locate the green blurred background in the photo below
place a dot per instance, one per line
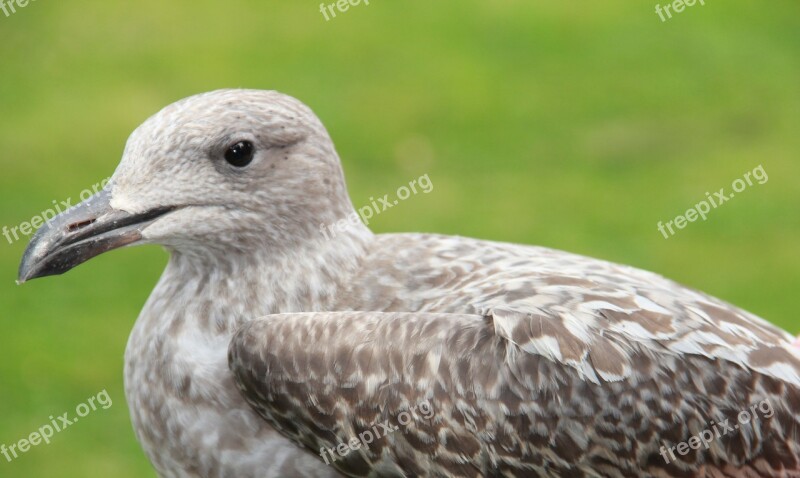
(575, 126)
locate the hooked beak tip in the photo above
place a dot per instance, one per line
(81, 233)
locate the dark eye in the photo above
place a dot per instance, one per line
(240, 154)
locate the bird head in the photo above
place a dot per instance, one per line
(218, 173)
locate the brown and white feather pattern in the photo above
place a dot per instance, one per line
(535, 362)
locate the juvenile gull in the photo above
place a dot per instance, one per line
(266, 342)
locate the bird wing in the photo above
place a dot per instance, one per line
(436, 394)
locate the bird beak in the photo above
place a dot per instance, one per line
(81, 233)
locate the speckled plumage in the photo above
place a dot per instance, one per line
(537, 363)
(265, 340)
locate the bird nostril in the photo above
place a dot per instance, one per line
(78, 225)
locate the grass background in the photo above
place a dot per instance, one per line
(575, 126)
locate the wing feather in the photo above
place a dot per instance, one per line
(509, 393)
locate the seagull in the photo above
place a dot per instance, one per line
(269, 348)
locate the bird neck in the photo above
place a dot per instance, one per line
(237, 286)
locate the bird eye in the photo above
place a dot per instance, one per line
(240, 154)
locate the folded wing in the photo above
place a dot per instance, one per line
(430, 394)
